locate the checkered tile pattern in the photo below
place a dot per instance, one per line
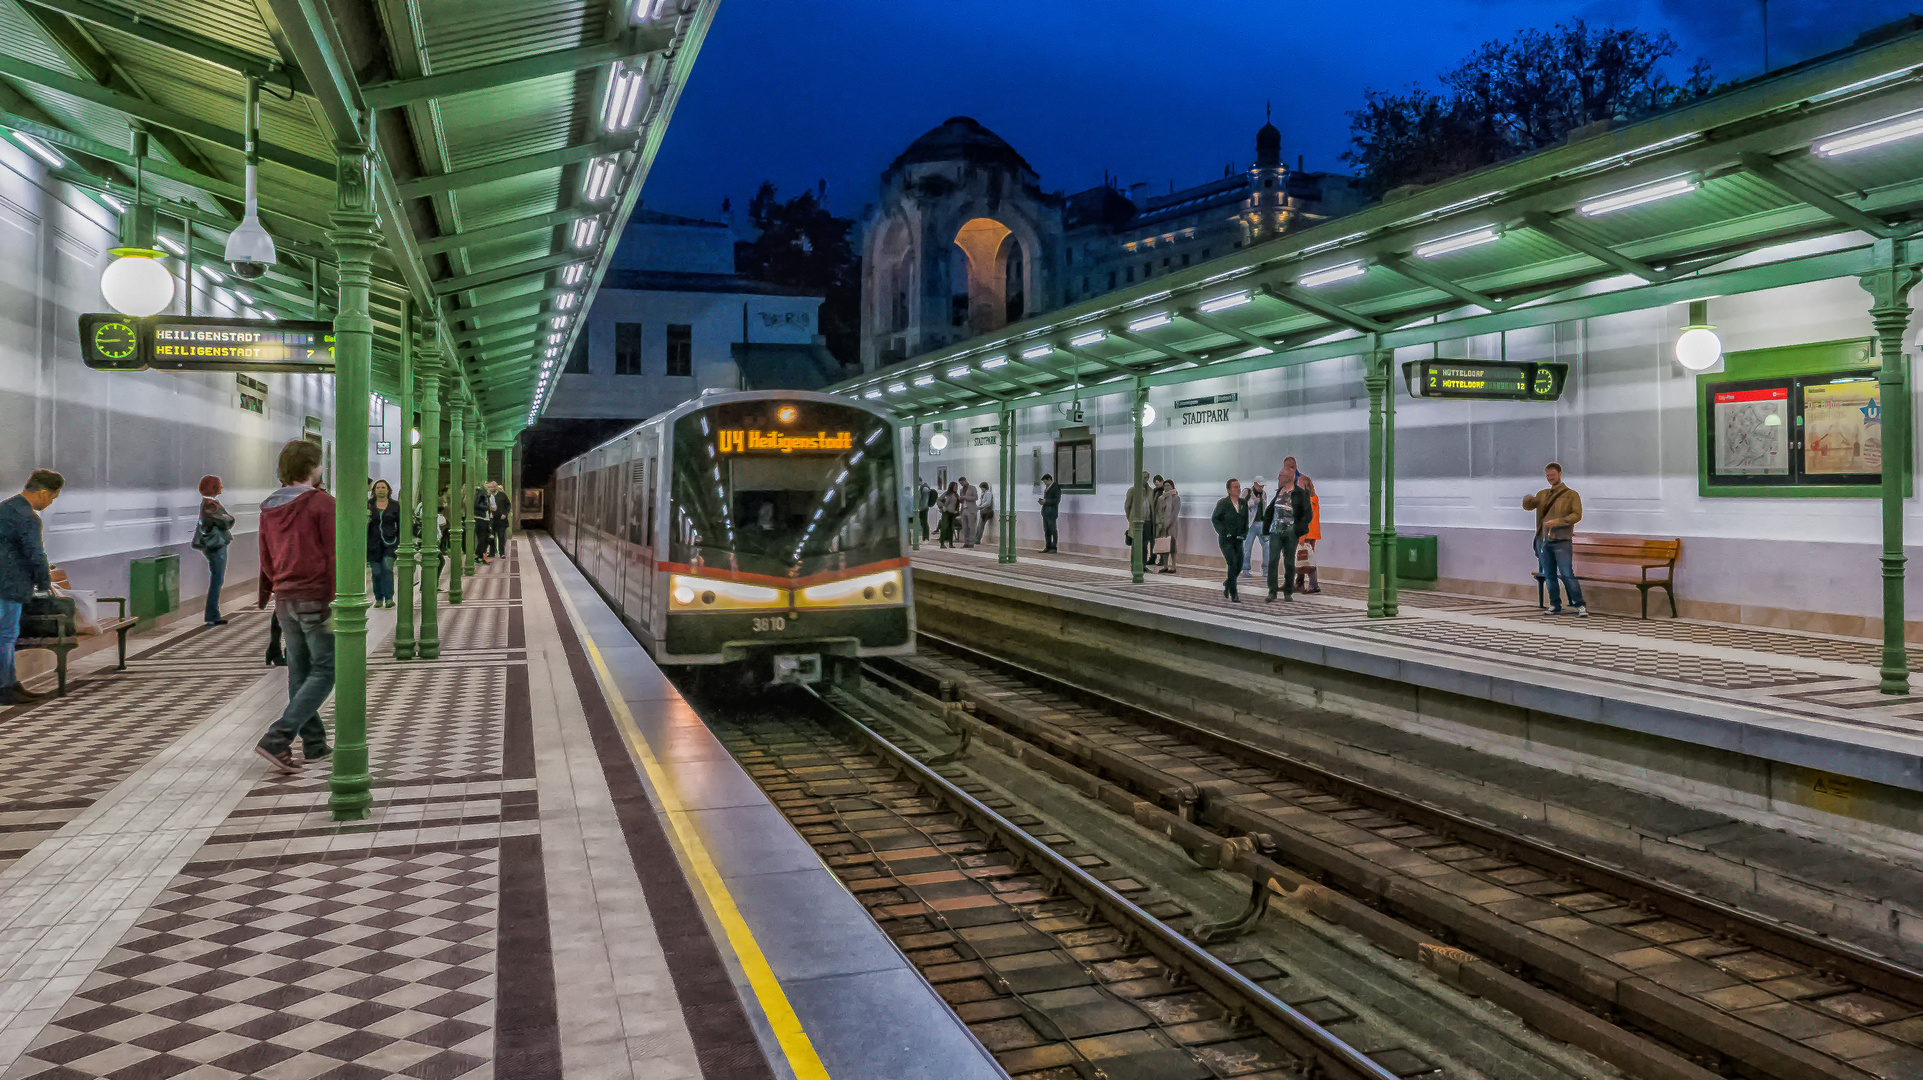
(1753, 639)
(438, 724)
(1253, 591)
(477, 627)
(245, 635)
(374, 967)
(1582, 656)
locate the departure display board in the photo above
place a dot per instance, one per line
(1485, 380)
(200, 343)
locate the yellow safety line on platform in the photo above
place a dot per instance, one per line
(795, 1044)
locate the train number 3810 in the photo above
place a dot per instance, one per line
(773, 622)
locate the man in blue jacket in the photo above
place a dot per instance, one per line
(23, 568)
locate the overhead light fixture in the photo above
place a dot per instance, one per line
(1151, 322)
(924, 380)
(958, 372)
(1876, 134)
(938, 441)
(896, 388)
(574, 273)
(585, 231)
(137, 283)
(40, 150)
(1332, 274)
(994, 362)
(602, 173)
(1447, 244)
(1148, 415)
(1698, 348)
(116, 205)
(1636, 196)
(554, 352)
(566, 301)
(172, 245)
(1090, 338)
(872, 394)
(208, 272)
(624, 98)
(559, 322)
(1223, 303)
(1037, 352)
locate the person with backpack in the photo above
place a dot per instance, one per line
(297, 570)
(212, 535)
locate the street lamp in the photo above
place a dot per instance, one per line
(1698, 348)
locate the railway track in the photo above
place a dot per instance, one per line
(1063, 966)
(1660, 982)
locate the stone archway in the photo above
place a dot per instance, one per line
(984, 240)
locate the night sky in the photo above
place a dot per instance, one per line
(799, 91)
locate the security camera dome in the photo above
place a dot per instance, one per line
(250, 244)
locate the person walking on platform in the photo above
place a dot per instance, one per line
(1305, 571)
(211, 536)
(1168, 514)
(966, 511)
(1136, 508)
(950, 514)
(1051, 502)
(1258, 501)
(383, 541)
(1558, 508)
(987, 506)
(1231, 521)
(23, 569)
(297, 569)
(1287, 517)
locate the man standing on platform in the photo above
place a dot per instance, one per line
(1231, 521)
(924, 501)
(1051, 501)
(297, 569)
(1135, 507)
(1258, 501)
(1558, 508)
(23, 568)
(483, 532)
(497, 511)
(1284, 522)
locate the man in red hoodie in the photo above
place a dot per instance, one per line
(297, 569)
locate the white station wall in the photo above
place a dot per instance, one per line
(131, 445)
(1625, 432)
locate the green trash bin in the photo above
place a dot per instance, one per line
(1415, 557)
(153, 586)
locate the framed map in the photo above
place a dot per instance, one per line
(1842, 428)
(1794, 421)
(1752, 430)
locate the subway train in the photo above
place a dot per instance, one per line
(762, 533)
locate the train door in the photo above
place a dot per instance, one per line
(634, 543)
(618, 458)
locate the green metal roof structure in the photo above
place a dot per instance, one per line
(1800, 176)
(500, 129)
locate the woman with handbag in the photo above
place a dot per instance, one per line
(1168, 512)
(211, 537)
(383, 540)
(950, 511)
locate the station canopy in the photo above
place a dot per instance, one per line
(1795, 177)
(510, 139)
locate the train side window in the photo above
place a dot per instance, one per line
(1075, 465)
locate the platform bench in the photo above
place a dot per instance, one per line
(1625, 560)
(70, 640)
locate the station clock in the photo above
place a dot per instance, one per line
(112, 342)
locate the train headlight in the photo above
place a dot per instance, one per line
(690, 593)
(881, 588)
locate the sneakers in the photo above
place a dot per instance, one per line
(313, 754)
(283, 761)
(1582, 612)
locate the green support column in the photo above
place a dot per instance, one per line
(1004, 553)
(1889, 290)
(409, 552)
(1391, 569)
(1007, 512)
(511, 485)
(914, 493)
(354, 240)
(456, 479)
(428, 363)
(1137, 549)
(1376, 379)
(476, 469)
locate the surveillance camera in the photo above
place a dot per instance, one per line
(249, 249)
(248, 269)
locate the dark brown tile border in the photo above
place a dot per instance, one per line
(724, 1040)
(527, 1027)
(270, 862)
(517, 729)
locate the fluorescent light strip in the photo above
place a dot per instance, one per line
(171, 244)
(994, 362)
(1035, 353)
(574, 273)
(559, 322)
(600, 181)
(1883, 131)
(924, 380)
(1091, 338)
(872, 394)
(117, 206)
(1676, 185)
(566, 301)
(39, 149)
(624, 96)
(585, 230)
(1151, 322)
(1223, 303)
(555, 339)
(896, 388)
(1457, 242)
(958, 372)
(1332, 274)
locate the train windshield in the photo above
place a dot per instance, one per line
(783, 489)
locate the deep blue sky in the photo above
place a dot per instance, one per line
(797, 91)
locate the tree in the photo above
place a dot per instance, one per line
(800, 244)
(1514, 97)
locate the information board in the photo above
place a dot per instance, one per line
(1752, 431)
(1485, 380)
(112, 342)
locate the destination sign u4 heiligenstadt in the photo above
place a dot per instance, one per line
(113, 342)
(1485, 380)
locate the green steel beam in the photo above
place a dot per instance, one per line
(511, 169)
(525, 268)
(637, 43)
(503, 348)
(1169, 351)
(529, 301)
(1083, 354)
(1220, 326)
(180, 40)
(506, 229)
(1766, 169)
(1422, 275)
(514, 330)
(1577, 239)
(1335, 313)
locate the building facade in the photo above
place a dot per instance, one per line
(964, 240)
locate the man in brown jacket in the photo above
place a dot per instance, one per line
(1558, 508)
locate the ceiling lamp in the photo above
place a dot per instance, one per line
(40, 150)
(938, 441)
(1090, 338)
(602, 172)
(137, 283)
(623, 104)
(1447, 244)
(1332, 274)
(1148, 415)
(1150, 322)
(1223, 303)
(1637, 196)
(1876, 134)
(1698, 348)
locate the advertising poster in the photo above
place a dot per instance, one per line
(1752, 431)
(1842, 429)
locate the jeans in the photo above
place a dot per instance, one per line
(924, 525)
(971, 523)
(1232, 548)
(310, 674)
(1285, 563)
(216, 577)
(483, 539)
(1049, 531)
(1248, 552)
(9, 633)
(383, 569)
(1554, 562)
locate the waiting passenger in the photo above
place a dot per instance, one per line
(383, 541)
(497, 512)
(23, 569)
(1558, 508)
(987, 505)
(1148, 520)
(211, 536)
(1136, 508)
(1168, 513)
(1051, 502)
(1286, 519)
(483, 533)
(1258, 501)
(1305, 570)
(1231, 521)
(970, 500)
(297, 569)
(924, 502)
(950, 514)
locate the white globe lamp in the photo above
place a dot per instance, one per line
(1148, 415)
(137, 283)
(938, 441)
(1698, 348)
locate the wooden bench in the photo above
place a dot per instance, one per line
(70, 640)
(1625, 560)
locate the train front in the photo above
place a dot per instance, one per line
(785, 538)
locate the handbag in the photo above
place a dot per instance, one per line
(47, 617)
(1163, 545)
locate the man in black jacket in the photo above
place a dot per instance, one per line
(1051, 501)
(1284, 522)
(23, 568)
(1231, 521)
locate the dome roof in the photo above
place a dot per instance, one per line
(960, 138)
(1268, 146)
